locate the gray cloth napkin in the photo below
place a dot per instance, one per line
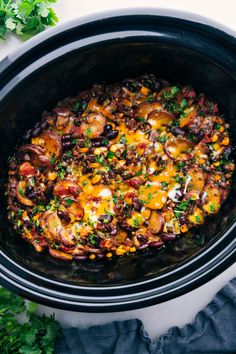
(212, 332)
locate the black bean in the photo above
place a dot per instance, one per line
(48, 192)
(90, 158)
(178, 131)
(107, 129)
(67, 145)
(66, 137)
(228, 151)
(127, 227)
(168, 237)
(36, 131)
(137, 204)
(114, 231)
(155, 244)
(98, 142)
(112, 135)
(44, 124)
(104, 227)
(29, 191)
(63, 216)
(27, 135)
(106, 219)
(86, 169)
(182, 220)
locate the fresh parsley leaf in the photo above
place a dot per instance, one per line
(68, 201)
(217, 126)
(110, 155)
(123, 139)
(36, 334)
(26, 18)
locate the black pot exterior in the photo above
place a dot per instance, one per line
(108, 50)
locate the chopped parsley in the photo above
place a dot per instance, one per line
(179, 179)
(91, 239)
(123, 139)
(135, 222)
(164, 184)
(79, 106)
(180, 165)
(88, 132)
(87, 142)
(183, 103)
(110, 155)
(217, 126)
(197, 218)
(69, 201)
(162, 138)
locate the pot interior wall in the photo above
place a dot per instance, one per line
(79, 69)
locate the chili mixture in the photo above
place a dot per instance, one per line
(120, 168)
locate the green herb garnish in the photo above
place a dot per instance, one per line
(68, 201)
(123, 139)
(35, 334)
(25, 18)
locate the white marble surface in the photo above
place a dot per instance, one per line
(157, 319)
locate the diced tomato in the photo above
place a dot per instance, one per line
(27, 170)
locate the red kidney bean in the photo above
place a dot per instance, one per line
(27, 135)
(36, 132)
(44, 125)
(143, 246)
(155, 244)
(100, 255)
(106, 219)
(142, 238)
(168, 237)
(81, 257)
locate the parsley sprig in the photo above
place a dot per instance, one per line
(26, 18)
(36, 334)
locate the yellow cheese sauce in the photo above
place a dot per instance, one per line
(118, 169)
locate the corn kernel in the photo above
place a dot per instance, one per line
(96, 179)
(100, 150)
(217, 163)
(132, 249)
(145, 91)
(201, 161)
(94, 165)
(92, 256)
(214, 138)
(184, 228)
(83, 150)
(217, 177)
(52, 176)
(216, 147)
(222, 129)
(225, 141)
(120, 251)
(109, 255)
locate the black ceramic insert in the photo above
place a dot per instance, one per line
(60, 64)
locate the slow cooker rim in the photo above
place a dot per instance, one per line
(228, 259)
